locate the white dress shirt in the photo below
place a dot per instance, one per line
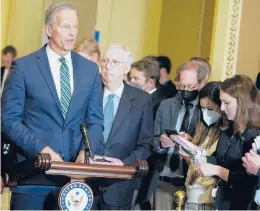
(55, 65)
(6, 72)
(116, 99)
(152, 91)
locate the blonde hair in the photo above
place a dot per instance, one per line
(89, 46)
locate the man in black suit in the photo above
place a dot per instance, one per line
(165, 69)
(9, 53)
(180, 113)
(146, 73)
(128, 126)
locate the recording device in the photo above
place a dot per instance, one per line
(88, 150)
(170, 132)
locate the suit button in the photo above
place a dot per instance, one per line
(231, 186)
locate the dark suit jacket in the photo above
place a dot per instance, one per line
(31, 110)
(2, 73)
(238, 190)
(157, 97)
(258, 81)
(130, 139)
(7, 155)
(169, 89)
(166, 118)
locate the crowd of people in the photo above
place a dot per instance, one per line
(128, 107)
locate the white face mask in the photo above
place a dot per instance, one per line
(210, 117)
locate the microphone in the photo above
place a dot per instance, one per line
(84, 131)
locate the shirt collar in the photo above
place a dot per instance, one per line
(152, 91)
(118, 92)
(53, 55)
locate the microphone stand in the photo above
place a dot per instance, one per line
(88, 151)
(87, 154)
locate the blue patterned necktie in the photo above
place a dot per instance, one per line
(65, 87)
(108, 117)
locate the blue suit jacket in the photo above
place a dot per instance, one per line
(31, 110)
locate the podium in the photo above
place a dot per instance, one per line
(75, 195)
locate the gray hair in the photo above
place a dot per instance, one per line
(128, 59)
(55, 8)
(202, 70)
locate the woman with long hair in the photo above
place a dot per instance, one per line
(241, 104)
(199, 188)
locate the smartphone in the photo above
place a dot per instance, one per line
(170, 132)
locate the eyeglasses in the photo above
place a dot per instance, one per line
(112, 62)
(188, 87)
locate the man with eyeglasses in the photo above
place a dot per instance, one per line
(128, 126)
(180, 113)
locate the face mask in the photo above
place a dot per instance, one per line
(135, 85)
(210, 117)
(189, 96)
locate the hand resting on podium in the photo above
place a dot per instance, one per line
(99, 160)
(54, 155)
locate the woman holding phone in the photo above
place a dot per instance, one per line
(198, 188)
(241, 104)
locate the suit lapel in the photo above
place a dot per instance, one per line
(44, 66)
(194, 120)
(76, 78)
(175, 111)
(124, 108)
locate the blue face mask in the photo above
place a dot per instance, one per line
(134, 85)
(137, 85)
(210, 117)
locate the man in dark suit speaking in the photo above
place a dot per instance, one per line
(47, 95)
(128, 126)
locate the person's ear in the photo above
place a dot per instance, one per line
(127, 69)
(163, 71)
(48, 30)
(95, 57)
(203, 83)
(151, 82)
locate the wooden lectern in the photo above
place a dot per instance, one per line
(76, 194)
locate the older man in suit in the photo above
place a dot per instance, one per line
(128, 126)
(180, 113)
(46, 97)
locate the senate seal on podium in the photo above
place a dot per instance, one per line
(76, 196)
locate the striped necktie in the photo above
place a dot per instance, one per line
(108, 117)
(65, 87)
